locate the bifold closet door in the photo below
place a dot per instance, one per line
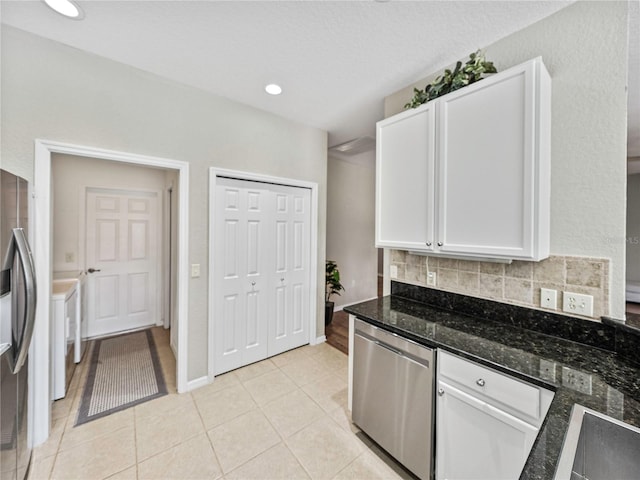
(241, 309)
(289, 297)
(261, 250)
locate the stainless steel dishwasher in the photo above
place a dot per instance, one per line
(393, 388)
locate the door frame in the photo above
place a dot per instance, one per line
(214, 173)
(161, 277)
(42, 238)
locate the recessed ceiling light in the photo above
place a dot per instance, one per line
(68, 8)
(273, 89)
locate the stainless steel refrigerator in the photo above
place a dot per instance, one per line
(17, 316)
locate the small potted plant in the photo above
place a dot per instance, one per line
(332, 287)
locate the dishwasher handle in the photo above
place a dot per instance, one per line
(391, 349)
(395, 344)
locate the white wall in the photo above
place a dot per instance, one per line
(70, 176)
(584, 47)
(54, 92)
(351, 226)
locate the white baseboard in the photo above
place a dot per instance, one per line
(337, 309)
(320, 339)
(197, 383)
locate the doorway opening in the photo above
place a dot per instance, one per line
(109, 224)
(47, 259)
(632, 284)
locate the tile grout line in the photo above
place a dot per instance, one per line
(135, 438)
(206, 432)
(64, 426)
(324, 414)
(283, 439)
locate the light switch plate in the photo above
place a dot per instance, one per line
(431, 279)
(195, 270)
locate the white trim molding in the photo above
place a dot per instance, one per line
(197, 383)
(214, 173)
(41, 236)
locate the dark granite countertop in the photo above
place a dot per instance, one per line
(519, 352)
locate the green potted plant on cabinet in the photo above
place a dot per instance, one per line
(332, 287)
(449, 81)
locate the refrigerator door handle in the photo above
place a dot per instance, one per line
(20, 246)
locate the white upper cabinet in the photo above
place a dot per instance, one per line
(467, 174)
(404, 179)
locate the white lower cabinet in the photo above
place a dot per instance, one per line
(482, 430)
(478, 441)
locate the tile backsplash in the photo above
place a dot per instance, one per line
(517, 283)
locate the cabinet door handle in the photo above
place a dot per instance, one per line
(439, 244)
(428, 244)
(440, 392)
(93, 270)
(480, 382)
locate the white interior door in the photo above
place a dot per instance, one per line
(261, 251)
(289, 294)
(122, 250)
(241, 309)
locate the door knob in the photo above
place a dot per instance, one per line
(253, 284)
(440, 392)
(92, 270)
(480, 382)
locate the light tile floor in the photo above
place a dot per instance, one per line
(282, 418)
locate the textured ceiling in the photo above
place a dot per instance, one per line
(336, 60)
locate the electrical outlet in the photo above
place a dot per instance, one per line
(577, 304)
(547, 370)
(549, 298)
(393, 271)
(69, 257)
(576, 380)
(431, 279)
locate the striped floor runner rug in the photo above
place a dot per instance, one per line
(124, 371)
